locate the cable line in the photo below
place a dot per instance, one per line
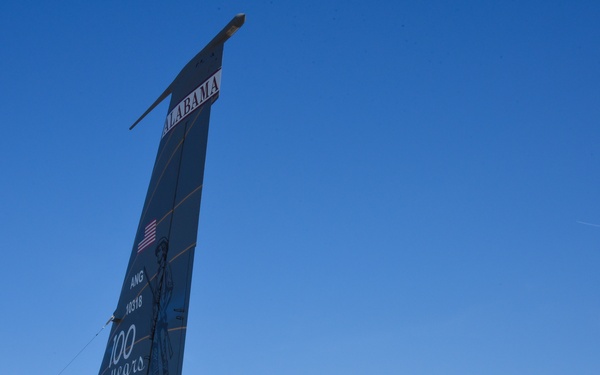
(86, 345)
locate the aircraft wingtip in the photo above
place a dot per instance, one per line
(240, 18)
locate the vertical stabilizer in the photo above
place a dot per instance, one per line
(150, 321)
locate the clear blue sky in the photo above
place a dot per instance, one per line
(393, 187)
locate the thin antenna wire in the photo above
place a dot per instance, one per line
(590, 224)
(86, 345)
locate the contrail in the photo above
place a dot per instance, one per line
(590, 224)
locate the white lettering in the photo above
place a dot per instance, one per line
(118, 342)
(136, 279)
(137, 365)
(133, 305)
(126, 353)
(120, 348)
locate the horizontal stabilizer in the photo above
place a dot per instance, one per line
(220, 38)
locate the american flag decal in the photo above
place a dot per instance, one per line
(149, 236)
